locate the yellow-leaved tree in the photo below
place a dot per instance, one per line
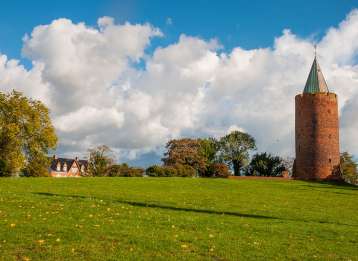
(26, 136)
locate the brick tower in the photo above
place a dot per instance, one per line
(317, 130)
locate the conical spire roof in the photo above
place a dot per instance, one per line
(315, 81)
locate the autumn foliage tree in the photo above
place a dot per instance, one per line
(26, 135)
(185, 152)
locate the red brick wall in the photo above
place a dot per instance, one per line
(317, 136)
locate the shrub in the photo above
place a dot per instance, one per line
(170, 171)
(265, 164)
(36, 167)
(217, 170)
(177, 170)
(4, 171)
(124, 170)
(155, 171)
(184, 170)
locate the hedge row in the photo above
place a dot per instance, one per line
(170, 171)
(124, 170)
(217, 170)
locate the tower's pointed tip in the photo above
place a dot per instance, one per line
(315, 82)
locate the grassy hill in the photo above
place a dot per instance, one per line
(176, 218)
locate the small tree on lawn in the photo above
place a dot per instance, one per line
(26, 135)
(209, 148)
(100, 159)
(265, 164)
(234, 149)
(185, 152)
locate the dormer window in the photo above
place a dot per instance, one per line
(65, 167)
(58, 167)
(74, 169)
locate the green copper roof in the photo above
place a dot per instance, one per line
(315, 81)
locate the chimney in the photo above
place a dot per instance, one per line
(76, 159)
(54, 156)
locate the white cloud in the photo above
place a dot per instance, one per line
(97, 94)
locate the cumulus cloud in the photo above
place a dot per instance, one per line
(98, 93)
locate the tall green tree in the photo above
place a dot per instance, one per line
(234, 150)
(265, 164)
(209, 148)
(26, 135)
(349, 168)
(100, 159)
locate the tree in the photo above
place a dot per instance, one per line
(185, 152)
(208, 149)
(349, 168)
(265, 164)
(26, 135)
(234, 150)
(288, 162)
(100, 159)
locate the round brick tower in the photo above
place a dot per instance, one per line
(317, 130)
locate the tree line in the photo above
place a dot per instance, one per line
(208, 157)
(27, 136)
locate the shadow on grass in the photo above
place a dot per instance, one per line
(194, 210)
(158, 206)
(325, 190)
(331, 185)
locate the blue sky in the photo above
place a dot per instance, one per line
(249, 24)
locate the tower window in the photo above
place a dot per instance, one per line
(330, 160)
(329, 136)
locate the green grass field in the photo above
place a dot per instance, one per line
(176, 219)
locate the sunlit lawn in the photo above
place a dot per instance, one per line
(176, 218)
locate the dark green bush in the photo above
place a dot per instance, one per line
(155, 171)
(184, 171)
(4, 170)
(124, 170)
(265, 164)
(170, 171)
(177, 170)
